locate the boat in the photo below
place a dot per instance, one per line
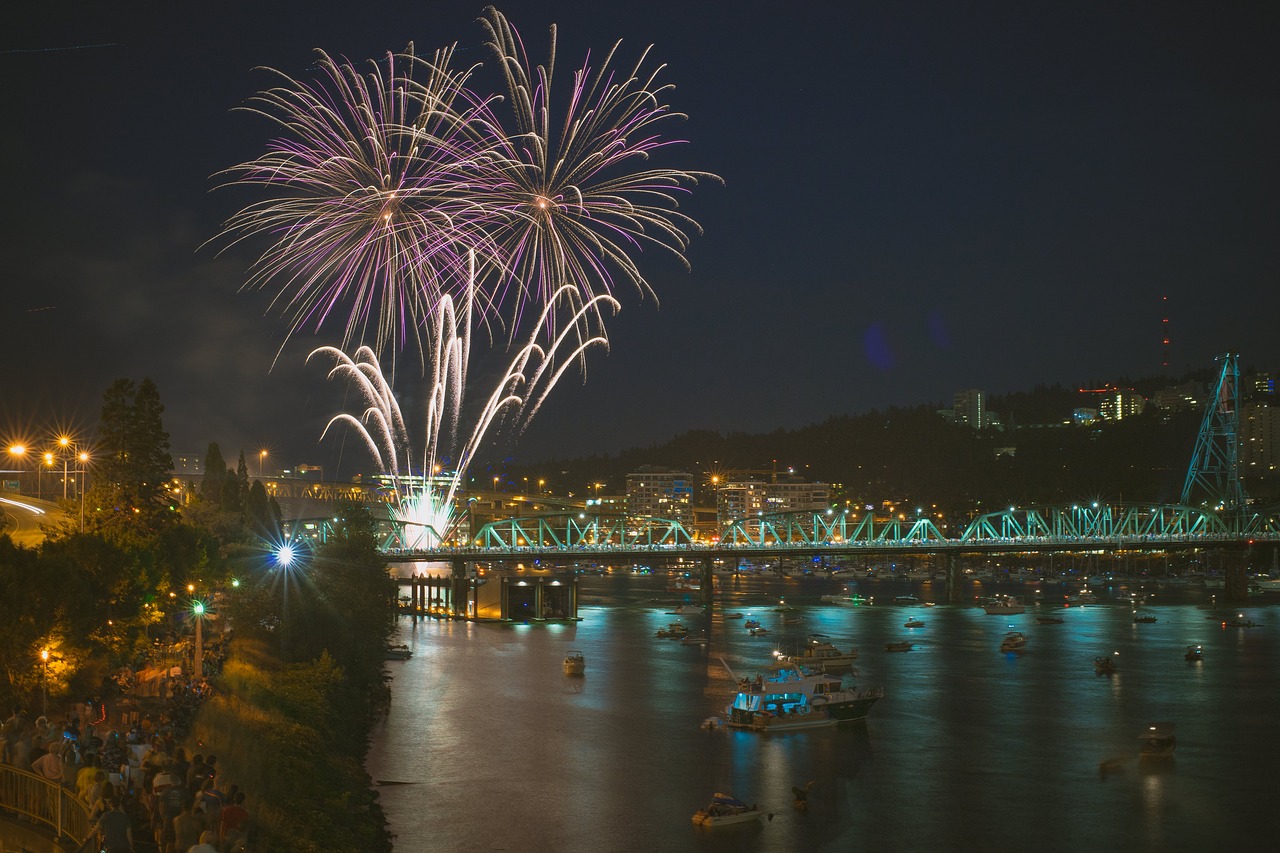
(734, 615)
(1104, 665)
(905, 599)
(824, 691)
(821, 655)
(675, 631)
(574, 663)
(398, 652)
(758, 632)
(913, 623)
(1014, 641)
(725, 809)
(684, 585)
(1144, 620)
(1268, 585)
(1049, 620)
(751, 623)
(1194, 653)
(776, 708)
(1004, 605)
(791, 620)
(1158, 741)
(1084, 596)
(684, 609)
(902, 646)
(694, 640)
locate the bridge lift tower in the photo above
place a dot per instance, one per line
(1214, 472)
(1215, 463)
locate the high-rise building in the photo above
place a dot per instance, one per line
(660, 493)
(739, 500)
(968, 407)
(1259, 439)
(1120, 403)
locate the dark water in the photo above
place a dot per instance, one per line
(971, 749)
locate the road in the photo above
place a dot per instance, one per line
(23, 517)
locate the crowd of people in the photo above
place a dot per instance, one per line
(140, 784)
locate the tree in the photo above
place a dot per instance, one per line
(129, 496)
(214, 471)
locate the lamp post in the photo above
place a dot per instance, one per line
(44, 683)
(197, 611)
(284, 559)
(83, 458)
(262, 459)
(20, 451)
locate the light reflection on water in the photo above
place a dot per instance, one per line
(971, 749)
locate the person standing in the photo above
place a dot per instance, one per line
(116, 829)
(187, 827)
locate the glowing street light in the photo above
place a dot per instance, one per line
(285, 556)
(44, 683)
(197, 613)
(262, 459)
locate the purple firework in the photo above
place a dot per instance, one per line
(374, 198)
(576, 193)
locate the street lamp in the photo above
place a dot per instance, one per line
(197, 611)
(284, 556)
(262, 458)
(44, 683)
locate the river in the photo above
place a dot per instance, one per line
(489, 746)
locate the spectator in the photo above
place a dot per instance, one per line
(207, 844)
(116, 829)
(187, 827)
(235, 819)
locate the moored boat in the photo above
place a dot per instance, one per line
(575, 663)
(1014, 641)
(1194, 653)
(725, 809)
(1049, 620)
(675, 630)
(1158, 741)
(1004, 605)
(398, 652)
(825, 692)
(778, 708)
(913, 623)
(820, 654)
(1104, 665)
(902, 646)
(1144, 620)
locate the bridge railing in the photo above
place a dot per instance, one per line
(44, 802)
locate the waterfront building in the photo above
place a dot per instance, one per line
(739, 500)
(660, 493)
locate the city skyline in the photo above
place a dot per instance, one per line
(917, 200)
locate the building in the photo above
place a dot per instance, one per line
(739, 500)
(1119, 403)
(969, 408)
(794, 496)
(1259, 440)
(1175, 398)
(660, 493)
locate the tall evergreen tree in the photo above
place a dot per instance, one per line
(214, 470)
(242, 480)
(129, 496)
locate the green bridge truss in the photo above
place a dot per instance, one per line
(1083, 525)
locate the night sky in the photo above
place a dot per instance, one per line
(918, 198)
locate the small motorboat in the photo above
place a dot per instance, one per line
(1157, 741)
(913, 623)
(905, 599)
(1144, 620)
(694, 640)
(734, 615)
(1240, 622)
(1194, 653)
(1049, 620)
(758, 631)
(1104, 665)
(1014, 641)
(725, 809)
(902, 646)
(575, 663)
(674, 631)
(399, 652)
(751, 623)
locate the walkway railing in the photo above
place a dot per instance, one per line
(44, 802)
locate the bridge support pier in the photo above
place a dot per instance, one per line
(459, 604)
(955, 578)
(708, 582)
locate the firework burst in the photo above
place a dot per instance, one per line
(576, 194)
(375, 204)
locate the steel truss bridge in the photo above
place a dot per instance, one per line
(573, 535)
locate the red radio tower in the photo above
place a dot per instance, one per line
(1164, 324)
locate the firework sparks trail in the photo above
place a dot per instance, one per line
(427, 509)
